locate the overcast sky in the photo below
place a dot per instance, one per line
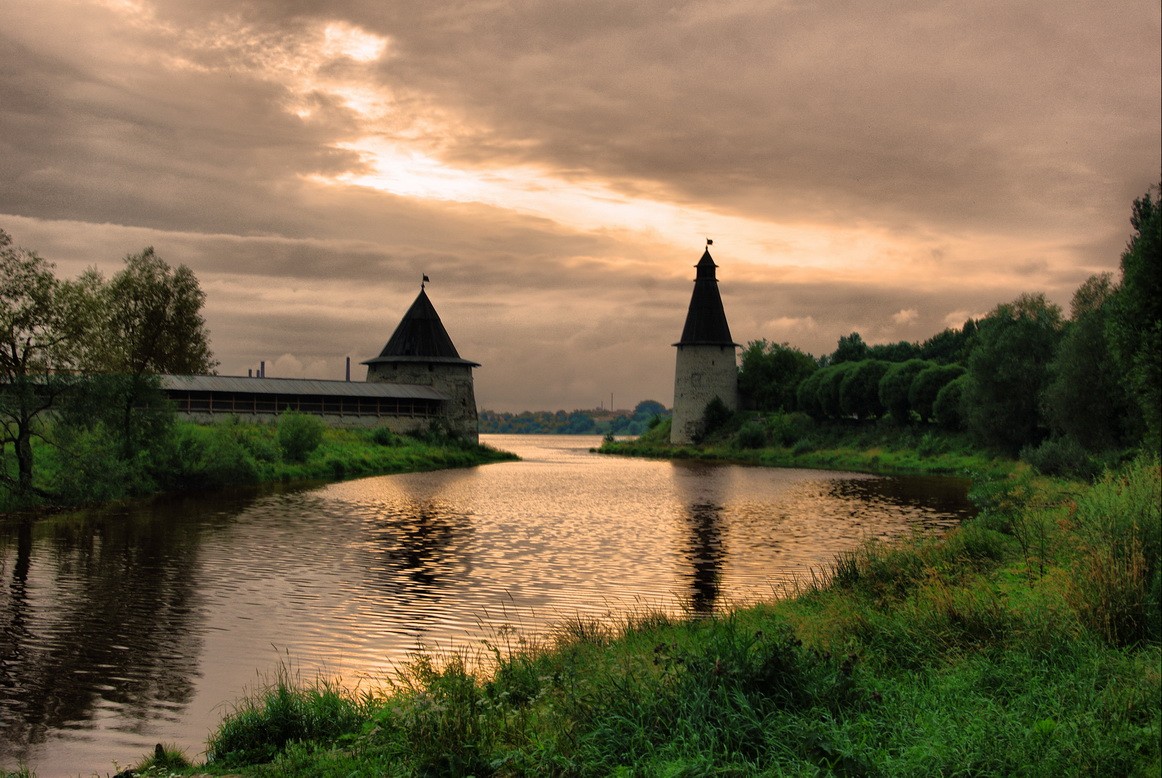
(890, 168)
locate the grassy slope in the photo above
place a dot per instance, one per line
(1024, 642)
(201, 458)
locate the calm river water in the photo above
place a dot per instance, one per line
(126, 628)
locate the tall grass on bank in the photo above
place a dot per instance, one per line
(965, 654)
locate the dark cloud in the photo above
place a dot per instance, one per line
(896, 164)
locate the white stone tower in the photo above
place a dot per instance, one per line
(420, 352)
(706, 364)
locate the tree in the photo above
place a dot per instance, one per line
(1008, 371)
(901, 351)
(949, 346)
(948, 408)
(859, 391)
(831, 379)
(148, 322)
(152, 321)
(927, 384)
(850, 348)
(769, 374)
(1134, 329)
(39, 330)
(896, 386)
(1085, 398)
(807, 394)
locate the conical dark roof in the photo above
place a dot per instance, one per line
(420, 337)
(706, 320)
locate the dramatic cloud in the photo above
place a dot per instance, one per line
(886, 168)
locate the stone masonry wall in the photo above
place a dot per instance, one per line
(701, 374)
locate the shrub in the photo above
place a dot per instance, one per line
(299, 435)
(751, 435)
(1062, 456)
(714, 417)
(90, 468)
(787, 429)
(383, 436)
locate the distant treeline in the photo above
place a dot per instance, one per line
(1024, 379)
(645, 414)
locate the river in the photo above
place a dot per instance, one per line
(127, 627)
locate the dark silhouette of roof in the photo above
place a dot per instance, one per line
(706, 320)
(420, 337)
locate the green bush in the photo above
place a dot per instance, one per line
(1062, 456)
(787, 429)
(752, 434)
(91, 468)
(383, 436)
(299, 435)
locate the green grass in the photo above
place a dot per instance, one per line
(1025, 642)
(794, 440)
(199, 458)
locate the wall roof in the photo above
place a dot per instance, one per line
(297, 386)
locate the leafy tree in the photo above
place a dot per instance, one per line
(148, 321)
(850, 348)
(948, 408)
(151, 320)
(769, 374)
(859, 390)
(895, 352)
(1135, 324)
(807, 394)
(828, 388)
(927, 384)
(1085, 398)
(949, 346)
(1009, 369)
(39, 334)
(896, 385)
(647, 410)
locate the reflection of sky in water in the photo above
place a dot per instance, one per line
(132, 628)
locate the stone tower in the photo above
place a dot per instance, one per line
(706, 364)
(420, 352)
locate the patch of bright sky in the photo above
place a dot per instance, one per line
(594, 206)
(344, 40)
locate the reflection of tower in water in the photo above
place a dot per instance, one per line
(705, 550)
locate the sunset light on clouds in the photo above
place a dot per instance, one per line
(886, 168)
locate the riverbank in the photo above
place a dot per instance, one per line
(793, 440)
(203, 458)
(1024, 642)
